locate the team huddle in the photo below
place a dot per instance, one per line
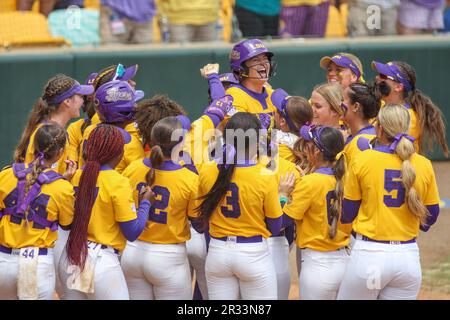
(135, 201)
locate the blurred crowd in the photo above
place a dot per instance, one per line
(134, 21)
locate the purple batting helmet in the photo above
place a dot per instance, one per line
(115, 101)
(245, 50)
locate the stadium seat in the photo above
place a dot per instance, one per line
(26, 28)
(81, 28)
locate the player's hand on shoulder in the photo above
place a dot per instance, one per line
(286, 185)
(209, 69)
(70, 169)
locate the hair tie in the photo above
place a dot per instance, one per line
(397, 139)
(339, 155)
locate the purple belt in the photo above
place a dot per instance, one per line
(42, 251)
(239, 239)
(364, 238)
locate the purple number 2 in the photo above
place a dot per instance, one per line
(232, 201)
(390, 185)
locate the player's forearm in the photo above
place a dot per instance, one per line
(133, 229)
(274, 225)
(431, 219)
(216, 88)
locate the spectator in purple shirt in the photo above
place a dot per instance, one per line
(420, 16)
(126, 21)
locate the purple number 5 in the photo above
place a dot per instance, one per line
(233, 202)
(390, 185)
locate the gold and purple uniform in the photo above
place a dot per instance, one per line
(176, 190)
(351, 147)
(245, 100)
(55, 202)
(380, 195)
(252, 197)
(310, 207)
(113, 204)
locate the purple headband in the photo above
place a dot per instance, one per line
(344, 62)
(76, 88)
(397, 139)
(391, 70)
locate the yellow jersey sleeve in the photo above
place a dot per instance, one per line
(272, 206)
(65, 202)
(352, 189)
(432, 194)
(75, 137)
(301, 200)
(123, 203)
(191, 212)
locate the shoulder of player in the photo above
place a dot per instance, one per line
(88, 131)
(418, 159)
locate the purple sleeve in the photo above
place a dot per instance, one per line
(214, 118)
(132, 229)
(274, 225)
(287, 221)
(350, 210)
(431, 219)
(215, 86)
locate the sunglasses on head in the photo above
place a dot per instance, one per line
(384, 77)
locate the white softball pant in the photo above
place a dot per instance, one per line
(196, 253)
(9, 271)
(382, 271)
(321, 273)
(157, 271)
(109, 281)
(58, 249)
(235, 270)
(279, 251)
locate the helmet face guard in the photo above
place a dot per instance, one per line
(115, 101)
(246, 50)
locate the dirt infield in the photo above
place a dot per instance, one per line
(434, 247)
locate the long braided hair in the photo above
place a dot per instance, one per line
(42, 110)
(105, 143)
(50, 139)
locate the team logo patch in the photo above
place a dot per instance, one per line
(235, 55)
(113, 95)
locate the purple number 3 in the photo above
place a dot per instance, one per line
(232, 201)
(391, 185)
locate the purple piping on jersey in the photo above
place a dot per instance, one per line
(274, 224)
(133, 228)
(431, 219)
(363, 143)
(261, 97)
(245, 163)
(384, 149)
(367, 130)
(216, 88)
(214, 118)
(350, 210)
(167, 165)
(407, 105)
(104, 168)
(325, 170)
(125, 134)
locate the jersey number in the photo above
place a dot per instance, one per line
(161, 203)
(39, 205)
(391, 185)
(233, 202)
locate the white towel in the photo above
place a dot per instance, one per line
(27, 287)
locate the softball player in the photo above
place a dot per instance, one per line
(344, 68)
(105, 217)
(251, 63)
(115, 103)
(34, 200)
(361, 103)
(326, 105)
(397, 197)
(156, 265)
(241, 206)
(316, 209)
(292, 113)
(60, 102)
(397, 84)
(76, 129)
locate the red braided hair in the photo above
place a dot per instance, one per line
(104, 144)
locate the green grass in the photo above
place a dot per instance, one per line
(437, 277)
